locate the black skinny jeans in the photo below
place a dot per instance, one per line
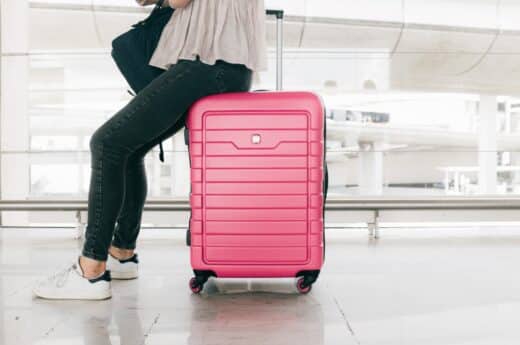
(118, 185)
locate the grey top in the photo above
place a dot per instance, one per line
(229, 30)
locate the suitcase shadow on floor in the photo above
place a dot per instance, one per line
(223, 286)
(255, 311)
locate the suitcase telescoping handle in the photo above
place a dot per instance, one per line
(279, 46)
(279, 56)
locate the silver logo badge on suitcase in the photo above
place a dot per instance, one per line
(256, 139)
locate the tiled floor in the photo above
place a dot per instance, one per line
(417, 286)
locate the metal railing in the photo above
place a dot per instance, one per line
(372, 204)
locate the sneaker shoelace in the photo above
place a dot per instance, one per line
(61, 277)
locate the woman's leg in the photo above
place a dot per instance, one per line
(129, 219)
(145, 118)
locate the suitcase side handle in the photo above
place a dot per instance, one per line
(186, 136)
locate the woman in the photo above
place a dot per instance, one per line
(207, 47)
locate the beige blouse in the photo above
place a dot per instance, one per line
(229, 30)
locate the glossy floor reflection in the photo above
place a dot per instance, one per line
(420, 286)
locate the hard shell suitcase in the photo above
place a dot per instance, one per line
(258, 184)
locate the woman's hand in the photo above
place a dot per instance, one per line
(178, 3)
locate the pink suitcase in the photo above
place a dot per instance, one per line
(257, 186)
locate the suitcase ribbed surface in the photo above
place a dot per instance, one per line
(256, 182)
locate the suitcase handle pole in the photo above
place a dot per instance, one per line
(279, 46)
(279, 56)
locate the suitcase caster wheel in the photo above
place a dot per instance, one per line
(195, 286)
(302, 287)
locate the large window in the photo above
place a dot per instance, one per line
(424, 108)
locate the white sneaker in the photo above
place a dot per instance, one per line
(123, 269)
(71, 284)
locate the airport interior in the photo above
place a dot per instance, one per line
(422, 218)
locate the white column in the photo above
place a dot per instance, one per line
(370, 173)
(487, 145)
(14, 75)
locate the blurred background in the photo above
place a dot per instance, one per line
(421, 96)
